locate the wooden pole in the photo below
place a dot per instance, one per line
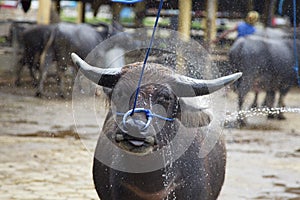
(55, 12)
(250, 5)
(185, 18)
(140, 9)
(184, 28)
(211, 16)
(80, 12)
(271, 12)
(116, 9)
(56, 5)
(268, 12)
(44, 12)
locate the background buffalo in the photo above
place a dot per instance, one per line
(45, 45)
(267, 63)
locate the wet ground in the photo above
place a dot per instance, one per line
(44, 156)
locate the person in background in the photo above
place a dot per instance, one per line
(243, 28)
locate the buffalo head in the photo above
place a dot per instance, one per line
(159, 108)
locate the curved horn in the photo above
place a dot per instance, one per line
(190, 87)
(104, 77)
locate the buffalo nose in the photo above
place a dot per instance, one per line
(135, 127)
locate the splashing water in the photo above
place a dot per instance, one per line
(168, 175)
(242, 114)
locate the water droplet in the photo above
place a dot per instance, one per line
(242, 114)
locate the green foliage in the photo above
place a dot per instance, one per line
(97, 20)
(2, 40)
(196, 25)
(88, 20)
(147, 21)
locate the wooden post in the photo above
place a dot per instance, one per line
(270, 14)
(185, 18)
(184, 28)
(116, 9)
(140, 9)
(211, 16)
(250, 5)
(55, 12)
(80, 12)
(43, 16)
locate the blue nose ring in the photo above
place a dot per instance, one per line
(147, 112)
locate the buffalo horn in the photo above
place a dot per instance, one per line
(189, 87)
(104, 77)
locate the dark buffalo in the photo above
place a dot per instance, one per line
(132, 140)
(268, 63)
(78, 38)
(66, 38)
(16, 30)
(34, 40)
(274, 33)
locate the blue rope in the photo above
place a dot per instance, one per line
(296, 67)
(147, 55)
(148, 114)
(161, 117)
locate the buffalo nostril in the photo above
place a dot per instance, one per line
(140, 124)
(135, 128)
(133, 123)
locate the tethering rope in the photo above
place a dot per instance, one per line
(146, 57)
(147, 112)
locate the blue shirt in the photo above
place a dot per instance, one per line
(244, 29)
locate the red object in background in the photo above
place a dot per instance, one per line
(273, 21)
(9, 4)
(26, 5)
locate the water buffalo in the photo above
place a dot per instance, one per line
(66, 38)
(134, 143)
(267, 62)
(274, 33)
(78, 38)
(34, 40)
(16, 30)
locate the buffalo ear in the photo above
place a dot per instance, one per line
(192, 116)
